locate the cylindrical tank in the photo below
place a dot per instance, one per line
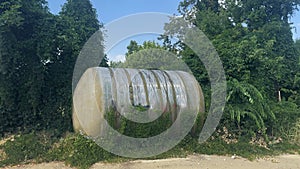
(139, 95)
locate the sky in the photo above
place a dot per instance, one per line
(110, 10)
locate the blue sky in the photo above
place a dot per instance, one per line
(110, 10)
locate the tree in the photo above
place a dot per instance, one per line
(254, 42)
(264, 24)
(8, 80)
(151, 55)
(21, 69)
(295, 97)
(76, 23)
(38, 51)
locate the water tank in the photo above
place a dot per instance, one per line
(139, 95)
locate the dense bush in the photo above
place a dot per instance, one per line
(287, 119)
(74, 149)
(78, 151)
(25, 148)
(38, 51)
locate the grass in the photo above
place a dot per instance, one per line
(77, 151)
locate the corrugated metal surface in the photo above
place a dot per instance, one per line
(126, 90)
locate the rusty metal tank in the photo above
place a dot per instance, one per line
(101, 90)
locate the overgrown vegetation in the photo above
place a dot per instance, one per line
(38, 51)
(253, 38)
(78, 151)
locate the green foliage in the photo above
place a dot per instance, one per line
(78, 151)
(82, 18)
(10, 13)
(242, 149)
(295, 133)
(138, 130)
(151, 55)
(21, 68)
(247, 106)
(38, 51)
(81, 152)
(24, 149)
(286, 123)
(254, 42)
(74, 149)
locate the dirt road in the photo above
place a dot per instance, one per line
(191, 162)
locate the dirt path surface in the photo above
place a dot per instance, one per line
(192, 162)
